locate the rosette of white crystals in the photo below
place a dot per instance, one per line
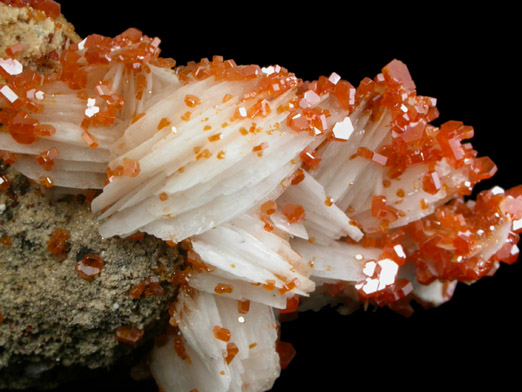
(221, 346)
(215, 156)
(86, 122)
(254, 265)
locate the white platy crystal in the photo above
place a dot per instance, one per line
(324, 221)
(254, 333)
(251, 258)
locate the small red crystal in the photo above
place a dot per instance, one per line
(129, 335)
(221, 333)
(294, 213)
(89, 266)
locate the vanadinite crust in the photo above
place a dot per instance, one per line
(281, 194)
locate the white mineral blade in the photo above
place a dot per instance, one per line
(193, 222)
(434, 294)
(203, 180)
(64, 175)
(248, 258)
(67, 152)
(174, 374)
(324, 221)
(413, 202)
(338, 260)
(254, 333)
(173, 107)
(208, 282)
(79, 166)
(250, 223)
(293, 229)
(497, 237)
(174, 154)
(338, 171)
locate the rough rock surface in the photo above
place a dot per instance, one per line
(55, 321)
(42, 38)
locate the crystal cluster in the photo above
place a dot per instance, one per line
(274, 188)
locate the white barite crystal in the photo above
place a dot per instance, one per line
(256, 365)
(324, 221)
(336, 261)
(201, 191)
(251, 259)
(78, 165)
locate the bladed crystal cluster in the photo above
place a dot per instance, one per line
(276, 189)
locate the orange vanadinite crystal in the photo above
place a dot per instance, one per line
(311, 120)
(232, 351)
(345, 94)
(223, 288)
(179, 348)
(292, 303)
(46, 158)
(137, 290)
(221, 333)
(129, 335)
(89, 266)
(192, 101)
(8, 157)
(57, 244)
(5, 241)
(297, 177)
(294, 213)
(5, 183)
(269, 207)
(89, 140)
(46, 181)
(215, 138)
(150, 287)
(311, 158)
(289, 286)
(286, 353)
(243, 307)
(131, 168)
(164, 122)
(153, 287)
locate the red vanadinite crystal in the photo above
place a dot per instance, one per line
(311, 158)
(8, 157)
(5, 183)
(222, 288)
(46, 158)
(129, 335)
(269, 207)
(292, 303)
(5, 241)
(286, 353)
(232, 351)
(345, 94)
(179, 348)
(294, 213)
(57, 244)
(243, 307)
(310, 120)
(449, 240)
(137, 290)
(89, 266)
(221, 333)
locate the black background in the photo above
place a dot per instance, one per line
(466, 58)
